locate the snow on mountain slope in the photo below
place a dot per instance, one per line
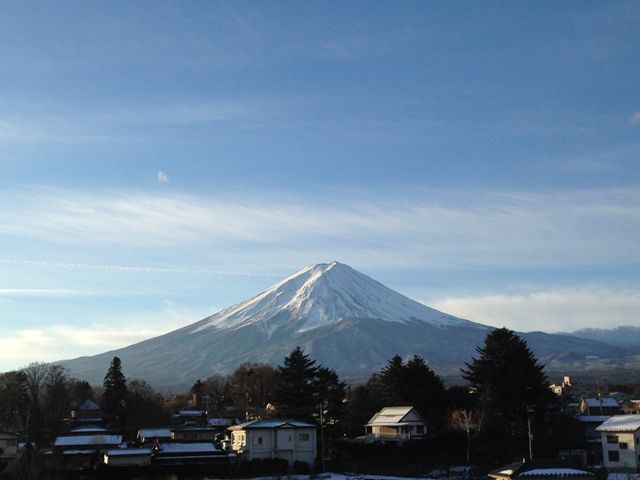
(322, 295)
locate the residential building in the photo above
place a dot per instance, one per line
(150, 435)
(179, 453)
(396, 424)
(621, 443)
(275, 438)
(598, 406)
(87, 412)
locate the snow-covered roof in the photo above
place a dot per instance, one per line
(620, 423)
(554, 472)
(87, 440)
(88, 429)
(394, 416)
(593, 418)
(124, 452)
(186, 448)
(271, 423)
(89, 405)
(222, 422)
(608, 402)
(154, 433)
(190, 413)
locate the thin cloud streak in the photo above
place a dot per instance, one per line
(443, 229)
(125, 268)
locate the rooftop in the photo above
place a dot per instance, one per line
(620, 423)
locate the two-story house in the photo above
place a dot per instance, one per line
(286, 439)
(621, 443)
(396, 424)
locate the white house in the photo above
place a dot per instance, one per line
(286, 439)
(396, 424)
(621, 443)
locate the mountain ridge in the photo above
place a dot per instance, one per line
(344, 319)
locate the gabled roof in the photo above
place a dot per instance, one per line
(608, 402)
(593, 418)
(187, 448)
(88, 405)
(125, 452)
(154, 433)
(87, 440)
(620, 423)
(271, 423)
(395, 416)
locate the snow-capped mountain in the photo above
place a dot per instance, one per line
(344, 319)
(323, 295)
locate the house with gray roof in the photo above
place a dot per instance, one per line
(289, 440)
(396, 424)
(621, 443)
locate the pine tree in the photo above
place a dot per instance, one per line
(295, 384)
(114, 397)
(302, 388)
(511, 383)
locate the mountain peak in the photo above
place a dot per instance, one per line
(325, 294)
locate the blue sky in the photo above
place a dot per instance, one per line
(162, 160)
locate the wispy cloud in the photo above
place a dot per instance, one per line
(635, 118)
(549, 310)
(125, 269)
(162, 177)
(56, 342)
(444, 229)
(40, 292)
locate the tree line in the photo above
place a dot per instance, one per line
(486, 418)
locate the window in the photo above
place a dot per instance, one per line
(303, 437)
(623, 446)
(614, 456)
(612, 439)
(259, 440)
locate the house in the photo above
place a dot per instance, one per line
(598, 406)
(150, 435)
(86, 442)
(127, 457)
(621, 443)
(189, 416)
(285, 439)
(539, 469)
(193, 433)
(87, 412)
(562, 388)
(188, 453)
(8, 444)
(583, 433)
(396, 424)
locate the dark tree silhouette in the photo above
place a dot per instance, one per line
(114, 396)
(511, 385)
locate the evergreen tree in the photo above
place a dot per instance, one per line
(302, 388)
(511, 385)
(295, 384)
(114, 396)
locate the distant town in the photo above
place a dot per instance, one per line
(506, 421)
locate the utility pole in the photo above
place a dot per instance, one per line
(322, 412)
(530, 438)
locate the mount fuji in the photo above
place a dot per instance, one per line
(342, 318)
